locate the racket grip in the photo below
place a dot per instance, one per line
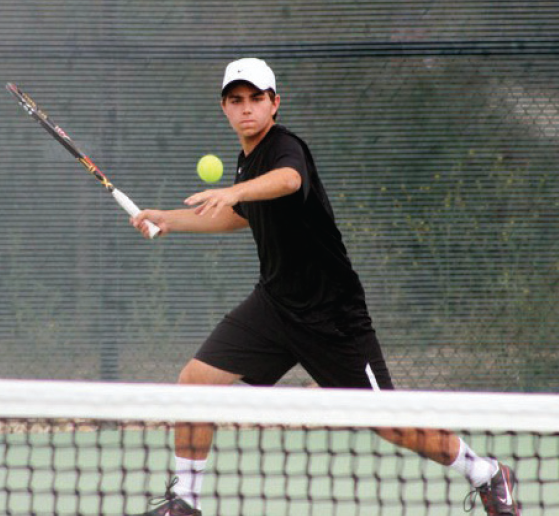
(130, 207)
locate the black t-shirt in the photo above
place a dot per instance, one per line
(304, 266)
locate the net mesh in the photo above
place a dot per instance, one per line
(107, 449)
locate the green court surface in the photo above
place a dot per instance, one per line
(254, 473)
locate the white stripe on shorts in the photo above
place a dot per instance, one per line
(372, 378)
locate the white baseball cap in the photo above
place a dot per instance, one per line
(252, 70)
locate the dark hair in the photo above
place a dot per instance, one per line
(272, 95)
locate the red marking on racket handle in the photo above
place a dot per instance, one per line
(93, 169)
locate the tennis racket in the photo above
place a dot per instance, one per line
(32, 109)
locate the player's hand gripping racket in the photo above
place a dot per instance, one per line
(31, 108)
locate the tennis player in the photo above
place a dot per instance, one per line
(308, 306)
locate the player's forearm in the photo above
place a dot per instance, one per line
(274, 184)
(187, 221)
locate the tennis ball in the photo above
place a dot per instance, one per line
(210, 168)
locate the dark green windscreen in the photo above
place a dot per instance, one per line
(435, 127)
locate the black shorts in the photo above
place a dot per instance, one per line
(260, 342)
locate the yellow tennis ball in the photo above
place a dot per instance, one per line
(210, 168)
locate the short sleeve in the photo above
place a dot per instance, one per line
(290, 154)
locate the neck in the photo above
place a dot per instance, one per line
(249, 143)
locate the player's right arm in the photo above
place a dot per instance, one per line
(186, 220)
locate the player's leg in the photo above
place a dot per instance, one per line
(493, 481)
(244, 345)
(193, 440)
(444, 447)
(192, 445)
(346, 361)
(438, 445)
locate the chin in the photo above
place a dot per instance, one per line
(250, 132)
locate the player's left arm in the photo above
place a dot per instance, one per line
(276, 183)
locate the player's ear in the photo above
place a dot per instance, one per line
(276, 103)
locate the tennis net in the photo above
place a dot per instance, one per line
(73, 448)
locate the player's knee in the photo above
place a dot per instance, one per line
(196, 372)
(189, 375)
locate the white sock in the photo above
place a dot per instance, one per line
(478, 470)
(190, 474)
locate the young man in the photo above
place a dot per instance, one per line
(309, 304)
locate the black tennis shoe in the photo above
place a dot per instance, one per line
(170, 505)
(496, 496)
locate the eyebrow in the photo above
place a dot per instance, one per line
(252, 95)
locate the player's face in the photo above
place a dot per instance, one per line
(250, 111)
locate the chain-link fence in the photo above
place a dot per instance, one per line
(434, 126)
